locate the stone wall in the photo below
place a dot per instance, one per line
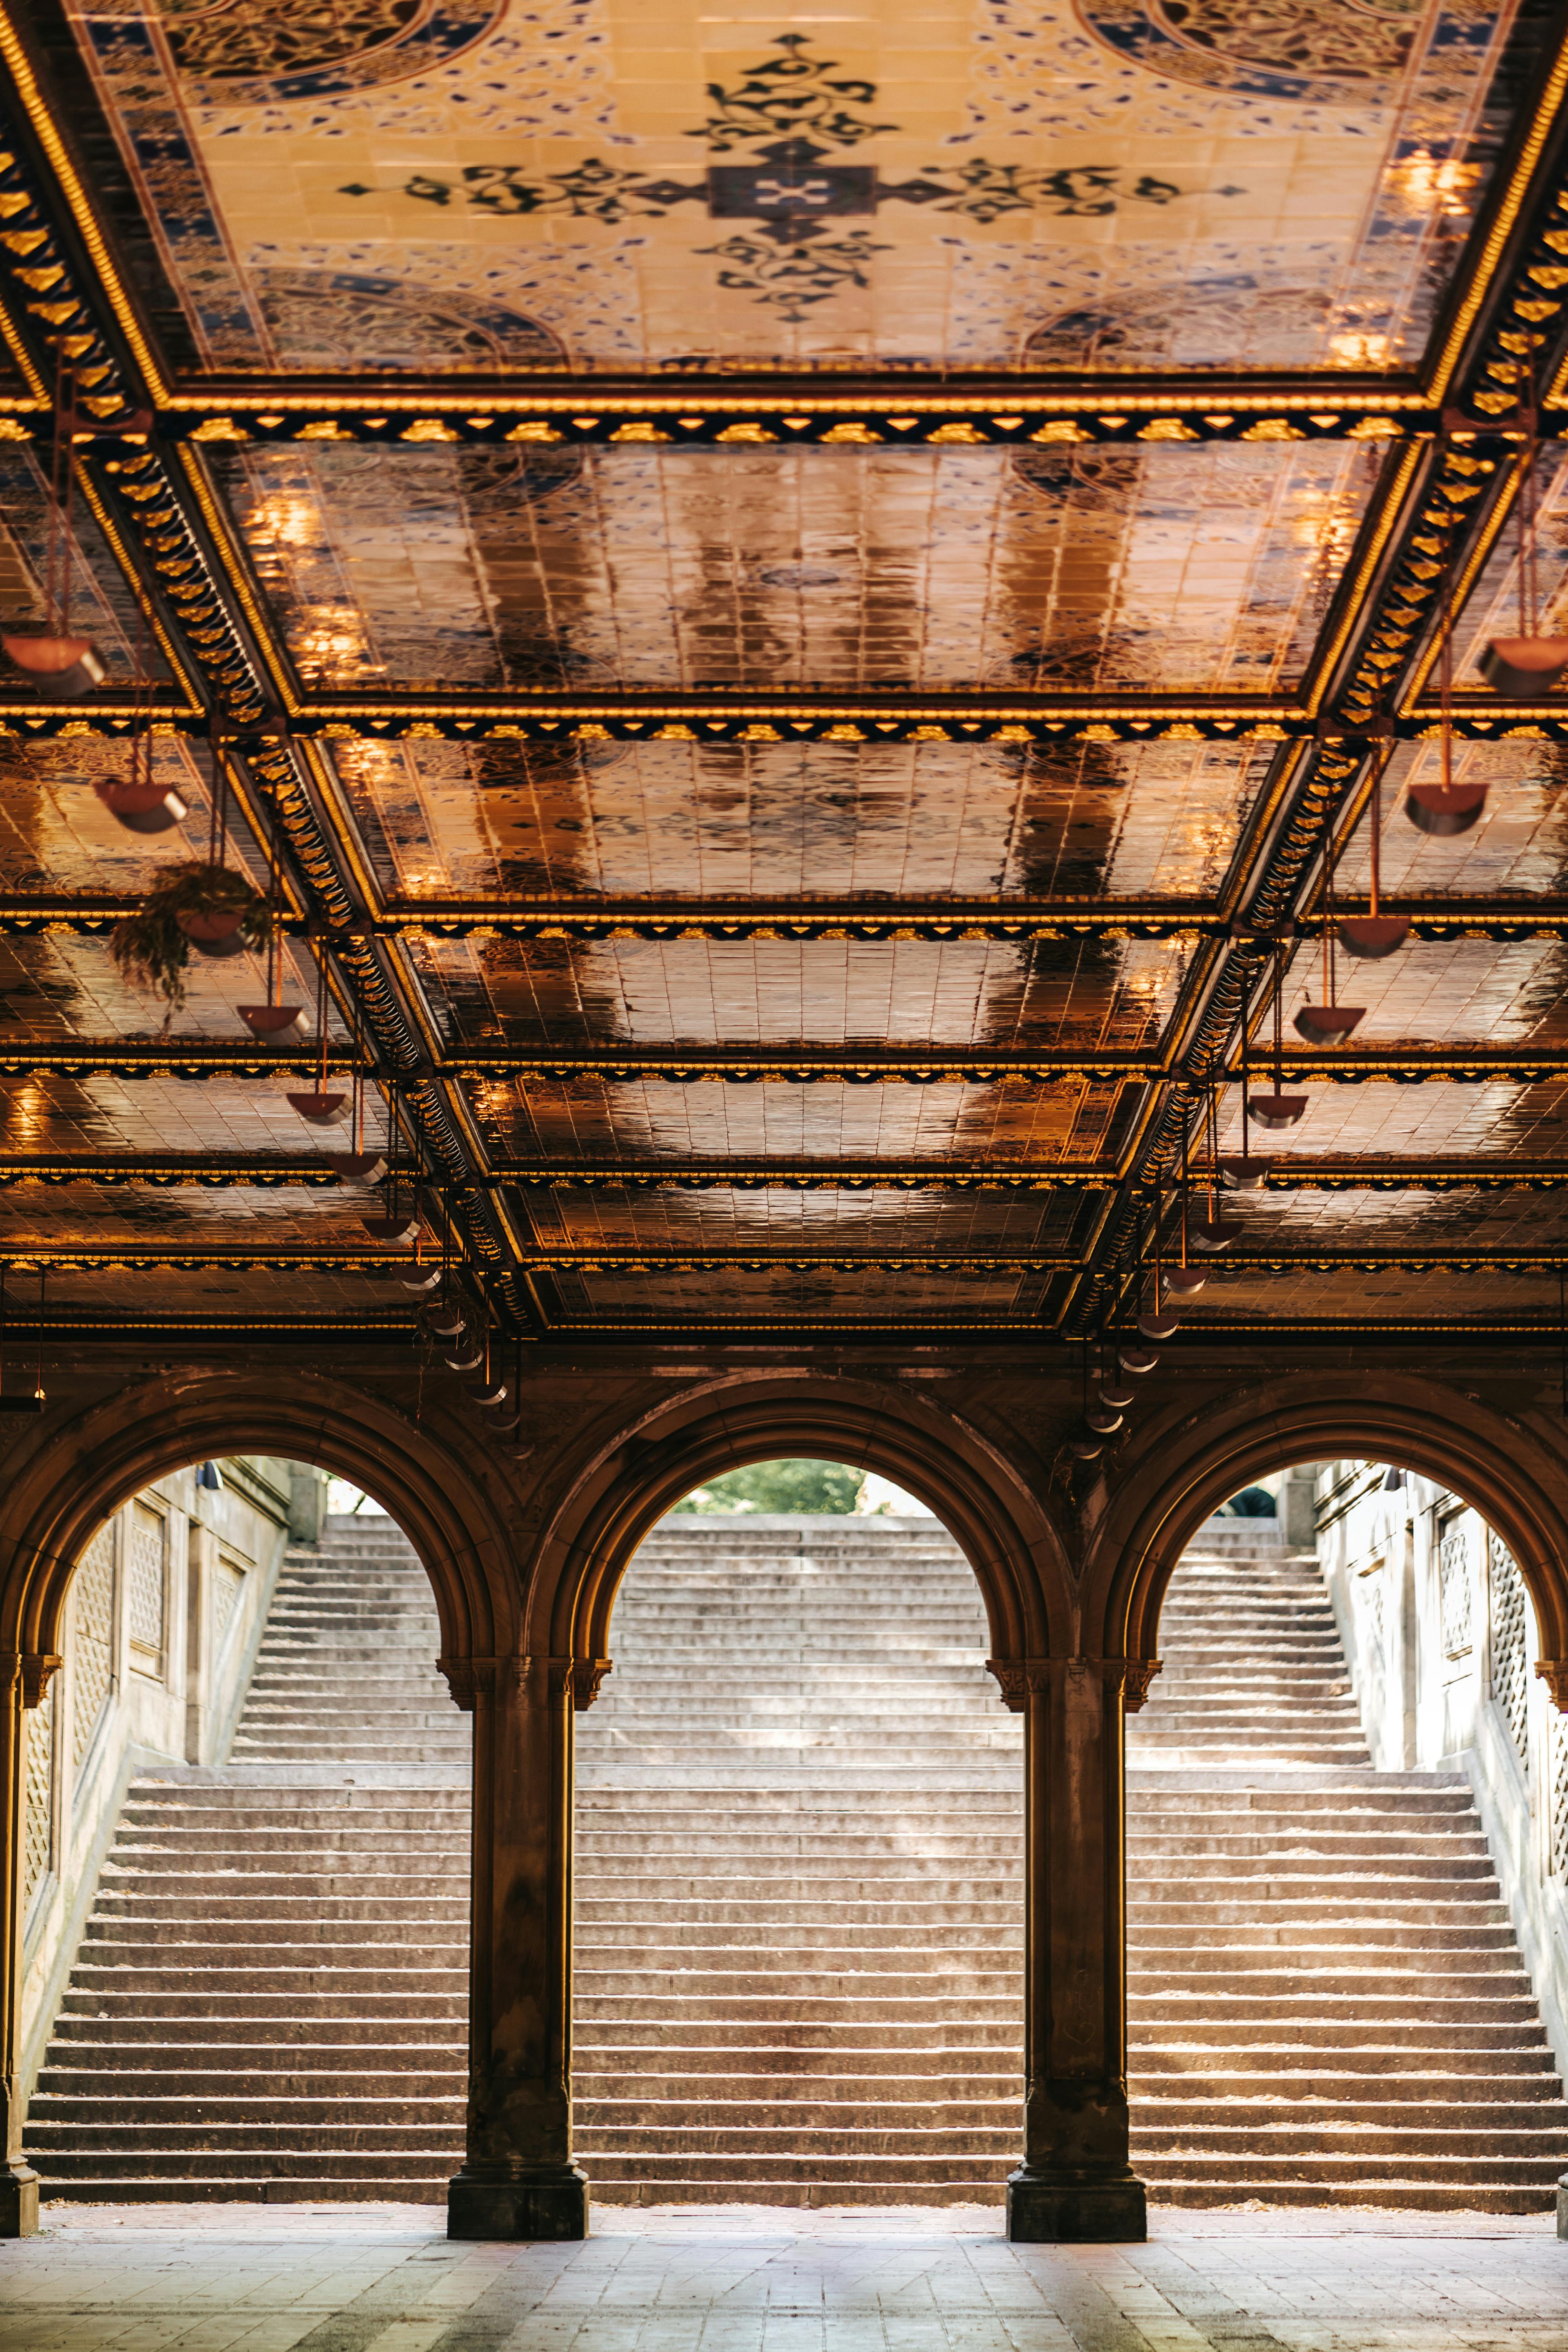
(1441, 1641)
(166, 1608)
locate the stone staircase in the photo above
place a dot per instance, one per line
(799, 1893)
(271, 1994)
(799, 1875)
(1327, 2004)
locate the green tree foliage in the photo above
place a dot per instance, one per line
(779, 1487)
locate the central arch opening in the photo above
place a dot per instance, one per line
(798, 1861)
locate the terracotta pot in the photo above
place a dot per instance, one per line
(1185, 1281)
(207, 930)
(322, 1110)
(275, 1025)
(143, 808)
(1327, 1024)
(1524, 666)
(1371, 936)
(1444, 810)
(1273, 1111)
(64, 667)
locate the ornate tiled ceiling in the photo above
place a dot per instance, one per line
(790, 602)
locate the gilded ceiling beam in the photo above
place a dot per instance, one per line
(1373, 1172)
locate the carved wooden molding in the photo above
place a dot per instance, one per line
(1016, 1677)
(1553, 1672)
(32, 1668)
(478, 1682)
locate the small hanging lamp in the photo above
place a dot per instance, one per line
(1239, 1171)
(1446, 809)
(1277, 1110)
(136, 800)
(1530, 663)
(322, 1108)
(1375, 935)
(275, 1022)
(63, 665)
(1330, 1023)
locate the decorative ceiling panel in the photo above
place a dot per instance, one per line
(831, 820)
(1083, 995)
(652, 1118)
(1123, 181)
(1198, 569)
(896, 1223)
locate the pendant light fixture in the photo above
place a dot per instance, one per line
(1185, 1281)
(394, 1226)
(1330, 1023)
(136, 800)
(1277, 1110)
(1239, 1171)
(1159, 1323)
(1212, 1233)
(1530, 663)
(276, 1024)
(321, 1107)
(62, 665)
(1446, 809)
(1375, 935)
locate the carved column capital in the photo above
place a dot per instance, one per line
(587, 1676)
(478, 1681)
(34, 1668)
(1553, 1672)
(1018, 1676)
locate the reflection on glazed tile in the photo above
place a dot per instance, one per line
(182, 1216)
(1439, 1119)
(1204, 568)
(1519, 845)
(99, 602)
(877, 1295)
(1450, 1218)
(62, 989)
(1443, 992)
(825, 820)
(110, 1116)
(1013, 1123)
(725, 1217)
(1066, 995)
(1391, 1295)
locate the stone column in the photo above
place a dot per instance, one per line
(22, 1681)
(518, 2179)
(1075, 2183)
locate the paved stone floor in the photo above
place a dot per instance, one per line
(745, 2279)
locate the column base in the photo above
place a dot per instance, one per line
(18, 2200)
(1563, 2206)
(547, 2205)
(1046, 2210)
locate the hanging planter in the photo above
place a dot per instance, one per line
(445, 1322)
(490, 1396)
(1161, 1325)
(321, 1108)
(1372, 937)
(1135, 1361)
(1114, 1397)
(153, 949)
(1184, 1282)
(143, 808)
(1444, 810)
(465, 1363)
(1087, 1447)
(1212, 1234)
(1102, 1419)
(422, 1282)
(1240, 1174)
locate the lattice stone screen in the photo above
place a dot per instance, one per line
(229, 1581)
(39, 1843)
(93, 1657)
(1510, 1681)
(145, 1557)
(1454, 1589)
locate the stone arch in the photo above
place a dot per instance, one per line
(82, 1465)
(620, 1491)
(1514, 1471)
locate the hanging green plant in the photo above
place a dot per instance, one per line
(194, 904)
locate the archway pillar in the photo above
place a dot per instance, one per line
(22, 1683)
(518, 2179)
(1075, 2182)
